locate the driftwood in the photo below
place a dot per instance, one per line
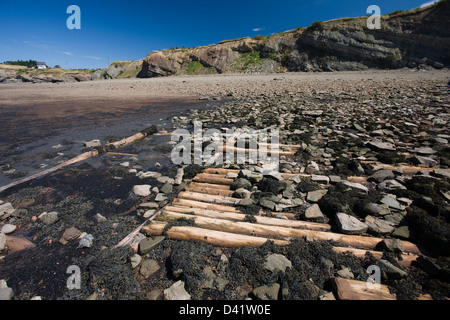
(216, 238)
(275, 231)
(77, 159)
(406, 261)
(212, 191)
(240, 217)
(212, 178)
(358, 290)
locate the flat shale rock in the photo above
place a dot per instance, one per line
(177, 292)
(378, 226)
(350, 225)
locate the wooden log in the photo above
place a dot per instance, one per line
(77, 159)
(274, 231)
(236, 150)
(203, 205)
(217, 192)
(209, 198)
(346, 289)
(212, 178)
(209, 185)
(406, 261)
(220, 171)
(407, 170)
(260, 219)
(216, 238)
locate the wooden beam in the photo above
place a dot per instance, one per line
(260, 219)
(212, 191)
(406, 261)
(213, 178)
(346, 289)
(216, 238)
(203, 205)
(209, 185)
(360, 242)
(209, 198)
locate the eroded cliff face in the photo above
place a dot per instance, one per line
(417, 38)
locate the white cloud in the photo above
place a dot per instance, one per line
(257, 29)
(93, 57)
(429, 3)
(68, 53)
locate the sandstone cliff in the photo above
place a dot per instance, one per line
(415, 38)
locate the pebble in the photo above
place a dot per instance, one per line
(277, 262)
(49, 218)
(2, 241)
(142, 190)
(8, 228)
(177, 292)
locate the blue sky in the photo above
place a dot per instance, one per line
(129, 30)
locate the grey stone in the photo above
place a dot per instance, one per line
(165, 179)
(149, 175)
(320, 179)
(420, 160)
(390, 271)
(382, 175)
(148, 244)
(355, 185)
(253, 177)
(350, 225)
(49, 218)
(392, 245)
(135, 260)
(267, 292)
(425, 151)
(241, 183)
(242, 193)
(177, 292)
(335, 179)
(274, 175)
(378, 226)
(160, 197)
(288, 192)
(6, 294)
(277, 262)
(402, 233)
(6, 208)
(380, 146)
(267, 204)
(167, 188)
(314, 213)
(149, 205)
(245, 202)
(149, 213)
(375, 209)
(92, 144)
(179, 176)
(315, 196)
(149, 267)
(2, 241)
(100, 218)
(442, 173)
(391, 202)
(142, 190)
(390, 185)
(345, 273)
(312, 168)
(8, 228)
